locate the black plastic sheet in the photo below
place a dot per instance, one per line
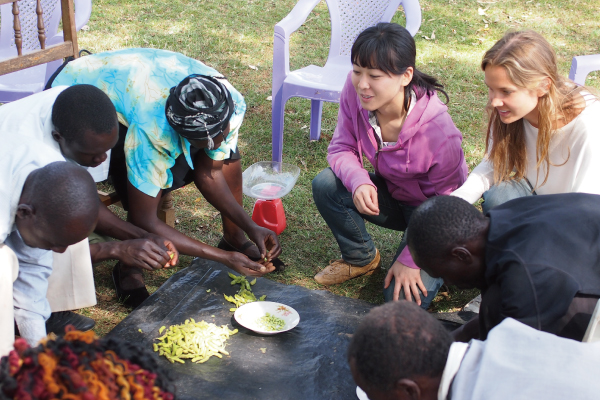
(308, 362)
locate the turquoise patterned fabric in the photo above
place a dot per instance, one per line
(138, 83)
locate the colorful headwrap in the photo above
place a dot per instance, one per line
(199, 108)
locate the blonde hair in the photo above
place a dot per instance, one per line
(528, 60)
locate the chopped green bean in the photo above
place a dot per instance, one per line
(193, 340)
(244, 295)
(270, 322)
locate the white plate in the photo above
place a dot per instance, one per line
(248, 314)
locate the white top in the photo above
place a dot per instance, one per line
(519, 362)
(18, 158)
(578, 141)
(32, 117)
(375, 123)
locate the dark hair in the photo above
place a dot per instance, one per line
(82, 108)
(396, 341)
(62, 192)
(440, 223)
(390, 48)
(84, 366)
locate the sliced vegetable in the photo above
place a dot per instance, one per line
(193, 340)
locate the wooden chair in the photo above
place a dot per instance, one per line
(166, 211)
(59, 51)
(45, 54)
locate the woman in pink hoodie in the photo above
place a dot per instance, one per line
(390, 114)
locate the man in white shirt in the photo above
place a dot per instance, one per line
(48, 205)
(401, 352)
(80, 123)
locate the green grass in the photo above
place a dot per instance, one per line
(231, 36)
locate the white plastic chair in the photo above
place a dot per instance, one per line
(25, 82)
(581, 66)
(348, 19)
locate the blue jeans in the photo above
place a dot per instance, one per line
(505, 191)
(337, 208)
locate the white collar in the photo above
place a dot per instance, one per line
(455, 356)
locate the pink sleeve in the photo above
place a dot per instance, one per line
(342, 154)
(406, 259)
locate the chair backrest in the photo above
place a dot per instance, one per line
(44, 26)
(351, 17)
(29, 25)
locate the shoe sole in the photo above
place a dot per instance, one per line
(368, 273)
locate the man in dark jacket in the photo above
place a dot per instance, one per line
(535, 259)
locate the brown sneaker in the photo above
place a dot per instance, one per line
(339, 271)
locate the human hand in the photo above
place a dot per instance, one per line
(143, 253)
(240, 263)
(267, 242)
(365, 200)
(407, 278)
(171, 249)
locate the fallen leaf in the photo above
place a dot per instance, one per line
(263, 350)
(254, 67)
(433, 35)
(304, 127)
(426, 38)
(481, 11)
(104, 297)
(270, 98)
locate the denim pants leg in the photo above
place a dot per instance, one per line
(505, 191)
(336, 206)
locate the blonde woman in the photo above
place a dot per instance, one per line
(544, 130)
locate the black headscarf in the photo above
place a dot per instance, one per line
(199, 107)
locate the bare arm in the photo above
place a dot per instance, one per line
(141, 253)
(143, 214)
(111, 225)
(138, 248)
(210, 180)
(468, 331)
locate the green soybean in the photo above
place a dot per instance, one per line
(244, 295)
(270, 322)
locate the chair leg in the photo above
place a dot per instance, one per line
(316, 111)
(166, 211)
(277, 115)
(581, 66)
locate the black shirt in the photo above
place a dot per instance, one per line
(541, 252)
